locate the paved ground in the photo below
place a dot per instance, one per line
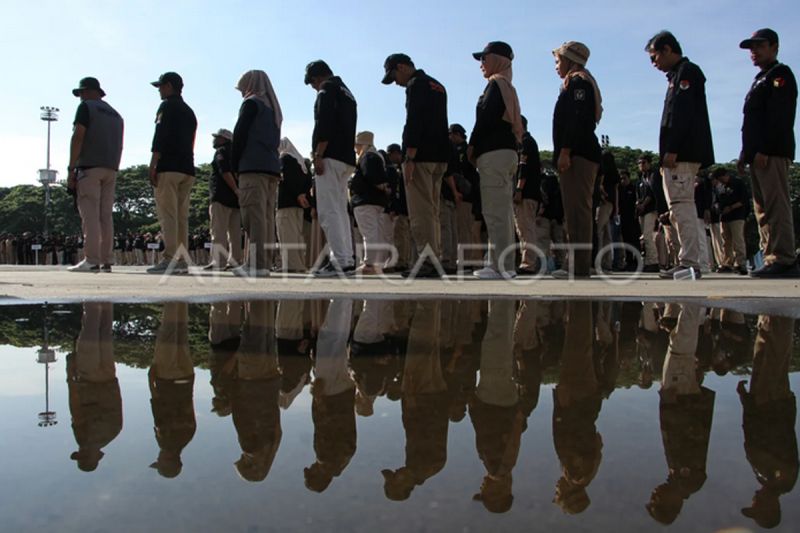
(132, 284)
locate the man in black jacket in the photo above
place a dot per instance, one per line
(334, 161)
(733, 201)
(527, 201)
(427, 150)
(468, 185)
(647, 211)
(398, 209)
(223, 209)
(684, 143)
(768, 147)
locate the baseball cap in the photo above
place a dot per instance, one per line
(316, 68)
(394, 147)
(495, 47)
(764, 34)
(88, 83)
(457, 128)
(574, 51)
(173, 78)
(391, 63)
(225, 134)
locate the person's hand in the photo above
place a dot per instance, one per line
(670, 160)
(319, 165)
(726, 210)
(408, 171)
(760, 160)
(313, 213)
(517, 197)
(153, 176)
(72, 180)
(303, 201)
(564, 162)
(664, 218)
(471, 154)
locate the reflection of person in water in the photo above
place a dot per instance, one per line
(686, 409)
(424, 402)
(256, 416)
(171, 379)
(577, 400)
(769, 416)
(95, 402)
(461, 363)
(224, 323)
(293, 350)
(333, 399)
(371, 353)
(495, 410)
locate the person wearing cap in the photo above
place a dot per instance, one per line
(172, 172)
(576, 151)
(223, 210)
(427, 151)
(369, 196)
(292, 201)
(468, 185)
(685, 144)
(335, 115)
(254, 157)
(528, 201)
(733, 200)
(94, 156)
(398, 209)
(493, 146)
(768, 147)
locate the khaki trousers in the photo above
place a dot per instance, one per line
(449, 229)
(773, 210)
(402, 240)
(602, 220)
(226, 234)
(466, 237)
(548, 232)
(257, 198)
(172, 207)
(95, 203)
(497, 170)
(647, 222)
(733, 243)
(422, 195)
(716, 244)
(525, 214)
(704, 246)
(577, 187)
(289, 222)
(679, 193)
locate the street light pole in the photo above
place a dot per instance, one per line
(47, 176)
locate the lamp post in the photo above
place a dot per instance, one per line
(46, 356)
(47, 176)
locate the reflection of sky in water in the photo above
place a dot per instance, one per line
(41, 487)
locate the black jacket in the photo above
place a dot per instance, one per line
(176, 126)
(551, 198)
(702, 196)
(769, 112)
(218, 189)
(426, 126)
(469, 174)
(735, 191)
(369, 175)
(335, 121)
(685, 127)
(644, 191)
(491, 132)
(397, 194)
(574, 121)
(530, 168)
(294, 182)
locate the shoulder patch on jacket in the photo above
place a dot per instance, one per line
(684, 85)
(580, 94)
(778, 82)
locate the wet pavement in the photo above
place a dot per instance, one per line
(397, 415)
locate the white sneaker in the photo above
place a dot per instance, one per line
(84, 266)
(242, 272)
(487, 273)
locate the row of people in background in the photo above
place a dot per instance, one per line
(253, 168)
(445, 361)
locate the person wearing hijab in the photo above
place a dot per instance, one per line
(255, 159)
(292, 200)
(369, 194)
(576, 152)
(493, 146)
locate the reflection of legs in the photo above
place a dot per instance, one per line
(289, 319)
(577, 378)
(496, 385)
(771, 356)
(331, 371)
(224, 321)
(172, 359)
(422, 372)
(94, 347)
(680, 365)
(368, 330)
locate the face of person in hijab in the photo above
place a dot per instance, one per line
(562, 66)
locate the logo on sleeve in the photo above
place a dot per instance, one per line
(684, 85)
(158, 118)
(580, 95)
(778, 82)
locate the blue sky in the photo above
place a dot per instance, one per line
(50, 45)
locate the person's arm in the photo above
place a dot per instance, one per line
(160, 138)
(781, 105)
(580, 108)
(241, 132)
(489, 111)
(415, 111)
(76, 142)
(224, 163)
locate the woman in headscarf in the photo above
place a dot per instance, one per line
(493, 145)
(292, 201)
(576, 152)
(255, 158)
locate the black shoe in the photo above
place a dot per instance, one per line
(105, 268)
(777, 271)
(426, 271)
(651, 268)
(742, 271)
(722, 269)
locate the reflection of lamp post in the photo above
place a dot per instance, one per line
(47, 176)
(46, 355)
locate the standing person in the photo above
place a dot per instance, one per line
(528, 201)
(733, 202)
(427, 150)
(255, 159)
(369, 191)
(94, 155)
(768, 146)
(398, 209)
(576, 152)
(606, 211)
(223, 208)
(172, 172)
(685, 144)
(335, 114)
(702, 201)
(493, 146)
(468, 185)
(550, 223)
(628, 221)
(292, 200)
(647, 211)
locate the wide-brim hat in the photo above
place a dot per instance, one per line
(574, 51)
(88, 83)
(225, 134)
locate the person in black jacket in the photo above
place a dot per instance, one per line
(369, 193)
(398, 209)
(685, 144)
(427, 150)
(702, 202)
(629, 221)
(292, 201)
(550, 225)
(334, 161)
(468, 185)
(528, 201)
(223, 209)
(768, 146)
(576, 152)
(493, 145)
(733, 200)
